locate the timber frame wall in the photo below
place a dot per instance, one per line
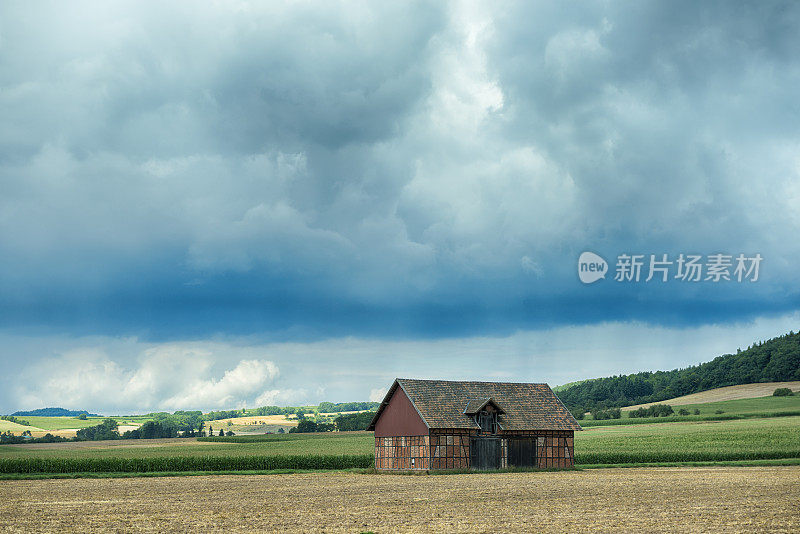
(450, 449)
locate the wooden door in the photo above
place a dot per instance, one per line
(485, 453)
(522, 452)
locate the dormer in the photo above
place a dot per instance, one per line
(484, 412)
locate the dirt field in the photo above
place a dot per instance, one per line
(743, 499)
(744, 391)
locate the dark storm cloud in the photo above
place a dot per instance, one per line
(406, 170)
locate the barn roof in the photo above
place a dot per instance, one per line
(442, 404)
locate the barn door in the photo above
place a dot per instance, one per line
(522, 452)
(485, 453)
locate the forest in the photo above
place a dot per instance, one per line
(775, 360)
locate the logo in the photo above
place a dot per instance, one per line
(591, 267)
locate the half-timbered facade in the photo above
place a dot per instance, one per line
(438, 424)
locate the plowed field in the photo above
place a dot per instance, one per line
(745, 499)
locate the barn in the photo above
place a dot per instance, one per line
(438, 424)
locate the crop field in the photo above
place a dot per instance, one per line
(665, 442)
(643, 500)
(252, 420)
(339, 443)
(744, 439)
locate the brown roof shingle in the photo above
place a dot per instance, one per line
(441, 404)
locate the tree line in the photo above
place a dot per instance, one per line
(775, 360)
(343, 423)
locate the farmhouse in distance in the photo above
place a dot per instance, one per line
(438, 424)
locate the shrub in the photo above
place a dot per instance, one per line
(656, 410)
(719, 411)
(697, 411)
(611, 413)
(782, 392)
(354, 421)
(105, 430)
(683, 411)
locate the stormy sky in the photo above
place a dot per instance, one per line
(207, 205)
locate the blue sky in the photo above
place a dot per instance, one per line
(207, 206)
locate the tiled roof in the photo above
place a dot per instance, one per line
(441, 404)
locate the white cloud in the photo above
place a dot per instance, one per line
(236, 384)
(282, 397)
(165, 377)
(377, 394)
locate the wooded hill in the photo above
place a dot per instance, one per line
(776, 360)
(54, 412)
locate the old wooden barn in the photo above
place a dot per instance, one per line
(438, 424)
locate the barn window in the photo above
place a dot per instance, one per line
(487, 421)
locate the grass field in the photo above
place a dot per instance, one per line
(16, 428)
(744, 499)
(747, 406)
(61, 423)
(755, 407)
(743, 391)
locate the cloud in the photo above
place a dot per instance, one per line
(377, 394)
(165, 377)
(246, 378)
(403, 170)
(282, 397)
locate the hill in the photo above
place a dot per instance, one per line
(55, 412)
(775, 360)
(728, 393)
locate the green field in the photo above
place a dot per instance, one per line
(746, 406)
(12, 427)
(760, 407)
(61, 423)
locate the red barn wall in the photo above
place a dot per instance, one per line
(400, 418)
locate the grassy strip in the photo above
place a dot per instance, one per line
(183, 463)
(646, 457)
(686, 418)
(730, 463)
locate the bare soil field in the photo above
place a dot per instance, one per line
(721, 499)
(744, 391)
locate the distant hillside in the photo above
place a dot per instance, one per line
(776, 360)
(55, 412)
(728, 393)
